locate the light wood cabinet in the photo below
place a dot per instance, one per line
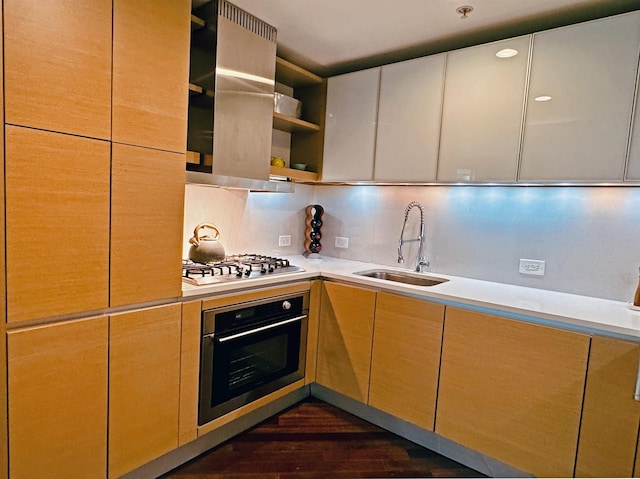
(57, 380)
(57, 216)
(610, 416)
(57, 58)
(144, 386)
(150, 73)
(589, 73)
(189, 371)
(482, 112)
(408, 125)
(512, 390)
(345, 339)
(147, 209)
(406, 358)
(350, 126)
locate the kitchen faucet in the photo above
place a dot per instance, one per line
(421, 262)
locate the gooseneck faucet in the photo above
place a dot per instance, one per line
(421, 262)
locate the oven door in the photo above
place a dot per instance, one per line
(240, 367)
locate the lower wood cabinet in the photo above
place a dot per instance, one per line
(144, 386)
(344, 339)
(57, 382)
(406, 358)
(610, 417)
(512, 390)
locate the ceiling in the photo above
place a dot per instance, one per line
(336, 36)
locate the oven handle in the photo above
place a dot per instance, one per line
(262, 328)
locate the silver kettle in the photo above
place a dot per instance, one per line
(206, 249)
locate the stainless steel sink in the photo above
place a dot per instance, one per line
(401, 277)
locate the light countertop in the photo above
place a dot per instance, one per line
(581, 313)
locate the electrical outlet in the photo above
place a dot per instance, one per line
(532, 266)
(342, 242)
(284, 240)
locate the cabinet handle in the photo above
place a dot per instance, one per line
(263, 328)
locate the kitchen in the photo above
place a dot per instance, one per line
(585, 234)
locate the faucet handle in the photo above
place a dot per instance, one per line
(423, 265)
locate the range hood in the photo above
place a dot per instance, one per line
(232, 78)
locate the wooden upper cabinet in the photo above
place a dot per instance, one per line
(482, 112)
(151, 73)
(147, 209)
(512, 390)
(57, 58)
(144, 386)
(344, 339)
(58, 400)
(587, 73)
(57, 217)
(408, 122)
(406, 358)
(610, 417)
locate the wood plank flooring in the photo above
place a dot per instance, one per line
(314, 440)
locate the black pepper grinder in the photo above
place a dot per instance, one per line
(312, 234)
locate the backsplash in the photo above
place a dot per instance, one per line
(588, 237)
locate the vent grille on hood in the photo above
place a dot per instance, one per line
(248, 21)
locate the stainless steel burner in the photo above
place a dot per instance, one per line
(234, 268)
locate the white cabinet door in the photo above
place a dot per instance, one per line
(482, 112)
(350, 128)
(589, 72)
(409, 111)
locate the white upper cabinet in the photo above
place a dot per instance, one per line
(409, 120)
(482, 112)
(587, 74)
(350, 128)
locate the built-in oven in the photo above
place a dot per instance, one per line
(249, 350)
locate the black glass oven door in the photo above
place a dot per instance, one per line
(245, 361)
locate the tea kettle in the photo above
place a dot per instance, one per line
(205, 249)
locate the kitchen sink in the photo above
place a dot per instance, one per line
(401, 277)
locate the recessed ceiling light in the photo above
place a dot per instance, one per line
(507, 53)
(542, 98)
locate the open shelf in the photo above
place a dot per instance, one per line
(295, 175)
(293, 75)
(293, 125)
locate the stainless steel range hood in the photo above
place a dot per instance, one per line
(233, 58)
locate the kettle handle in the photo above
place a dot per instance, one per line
(196, 238)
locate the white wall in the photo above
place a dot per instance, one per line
(589, 237)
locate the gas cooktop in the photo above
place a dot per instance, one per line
(235, 268)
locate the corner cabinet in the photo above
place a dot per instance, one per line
(344, 339)
(306, 133)
(512, 390)
(580, 101)
(482, 112)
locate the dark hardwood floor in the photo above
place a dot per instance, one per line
(314, 440)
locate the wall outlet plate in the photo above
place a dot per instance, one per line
(284, 240)
(342, 242)
(532, 266)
